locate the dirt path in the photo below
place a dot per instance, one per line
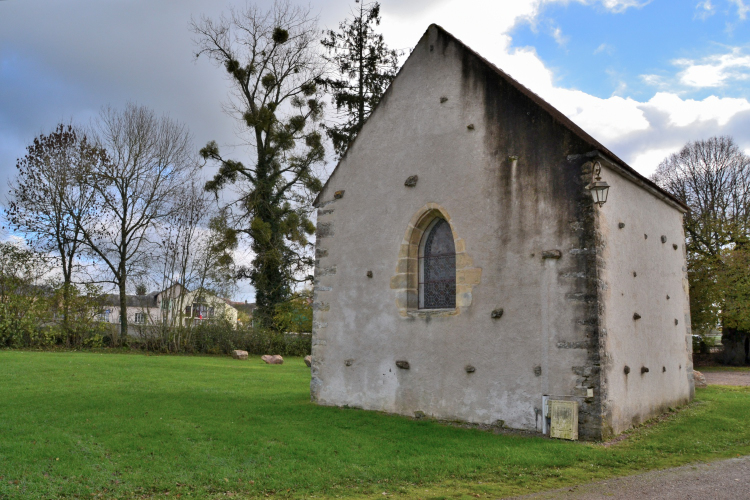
(727, 378)
(722, 480)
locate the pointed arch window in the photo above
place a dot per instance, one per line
(437, 267)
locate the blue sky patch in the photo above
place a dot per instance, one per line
(637, 52)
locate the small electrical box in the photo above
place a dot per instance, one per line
(563, 419)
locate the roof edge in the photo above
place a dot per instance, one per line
(641, 181)
(632, 174)
(626, 170)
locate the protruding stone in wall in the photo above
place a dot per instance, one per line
(635, 274)
(443, 99)
(663, 239)
(537, 371)
(551, 254)
(470, 126)
(644, 370)
(326, 271)
(645, 236)
(626, 369)
(667, 297)
(676, 322)
(339, 194)
(497, 313)
(411, 181)
(325, 230)
(369, 274)
(419, 414)
(636, 316)
(621, 225)
(470, 369)
(674, 245)
(404, 365)
(349, 362)
(579, 344)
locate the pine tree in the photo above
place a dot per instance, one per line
(365, 67)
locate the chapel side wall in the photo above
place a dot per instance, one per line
(524, 229)
(644, 274)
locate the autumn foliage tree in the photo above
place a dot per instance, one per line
(271, 61)
(47, 198)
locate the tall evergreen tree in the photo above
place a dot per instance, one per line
(273, 67)
(365, 67)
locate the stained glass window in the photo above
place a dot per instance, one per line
(438, 268)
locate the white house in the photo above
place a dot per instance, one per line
(175, 305)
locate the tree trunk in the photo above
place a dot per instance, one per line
(123, 309)
(361, 82)
(66, 313)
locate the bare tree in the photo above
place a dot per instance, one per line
(47, 197)
(712, 177)
(273, 64)
(192, 251)
(149, 163)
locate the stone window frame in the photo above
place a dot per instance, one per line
(406, 280)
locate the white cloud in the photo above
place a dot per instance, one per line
(641, 133)
(742, 9)
(647, 161)
(622, 5)
(488, 29)
(688, 111)
(715, 70)
(560, 39)
(704, 10)
(606, 48)
(653, 80)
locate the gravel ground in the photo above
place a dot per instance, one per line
(722, 480)
(727, 378)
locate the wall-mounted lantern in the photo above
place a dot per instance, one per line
(599, 188)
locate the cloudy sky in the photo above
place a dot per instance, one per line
(643, 77)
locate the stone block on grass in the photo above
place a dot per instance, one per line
(272, 359)
(699, 378)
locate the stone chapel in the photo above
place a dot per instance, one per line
(464, 270)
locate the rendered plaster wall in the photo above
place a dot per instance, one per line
(453, 122)
(644, 274)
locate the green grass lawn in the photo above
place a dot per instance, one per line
(85, 425)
